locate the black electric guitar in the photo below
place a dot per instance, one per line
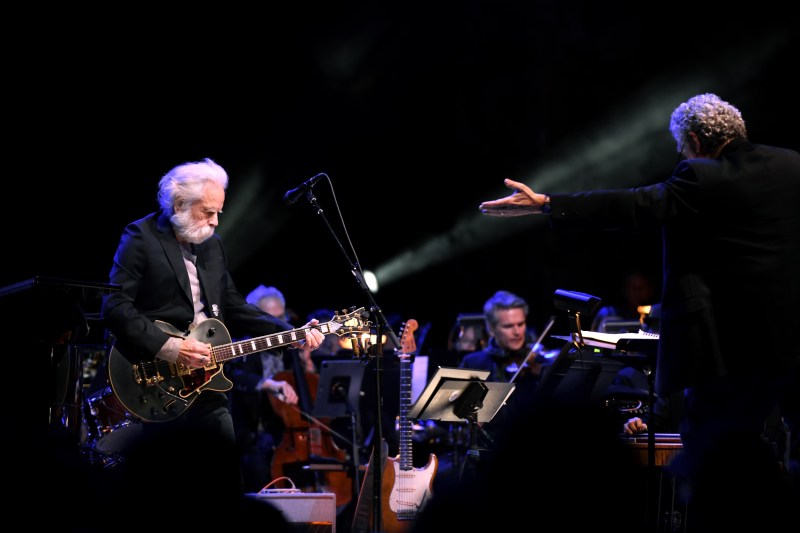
(405, 488)
(159, 391)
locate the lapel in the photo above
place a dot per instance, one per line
(173, 252)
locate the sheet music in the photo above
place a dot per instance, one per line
(618, 341)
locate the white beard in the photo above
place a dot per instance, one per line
(188, 231)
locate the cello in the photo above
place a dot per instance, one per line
(305, 436)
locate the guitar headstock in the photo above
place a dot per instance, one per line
(353, 322)
(407, 343)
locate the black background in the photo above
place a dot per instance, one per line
(415, 110)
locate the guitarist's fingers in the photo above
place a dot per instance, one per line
(193, 353)
(194, 361)
(314, 337)
(314, 340)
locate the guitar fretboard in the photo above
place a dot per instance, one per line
(268, 342)
(405, 425)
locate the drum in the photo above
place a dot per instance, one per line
(110, 427)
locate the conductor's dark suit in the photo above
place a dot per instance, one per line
(731, 258)
(730, 302)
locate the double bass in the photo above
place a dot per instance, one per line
(305, 437)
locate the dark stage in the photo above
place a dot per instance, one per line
(415, 112)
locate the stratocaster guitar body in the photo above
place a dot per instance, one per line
(405, 493)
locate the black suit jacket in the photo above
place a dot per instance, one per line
(731, 258)
(149, 268)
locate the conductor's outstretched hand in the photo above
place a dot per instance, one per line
(523, 201)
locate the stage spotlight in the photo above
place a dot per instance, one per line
(371, 279)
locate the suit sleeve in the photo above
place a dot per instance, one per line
(632, 209)
(120, 309)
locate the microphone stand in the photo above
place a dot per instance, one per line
(381, 323)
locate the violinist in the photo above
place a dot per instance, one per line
(510, 339)
(510, 344)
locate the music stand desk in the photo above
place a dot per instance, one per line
(443, 394)
(461, 394)
(339, 388)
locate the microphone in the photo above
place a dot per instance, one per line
(292, 196)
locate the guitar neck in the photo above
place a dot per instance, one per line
(233, 350)
(405, 425)
(226, 352)
(350, 323)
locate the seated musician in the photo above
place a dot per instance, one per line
(666, 414)
(510, 343)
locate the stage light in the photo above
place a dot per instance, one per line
(371, 279)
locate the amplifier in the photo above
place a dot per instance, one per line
(315, 509)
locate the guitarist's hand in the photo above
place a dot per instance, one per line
(313, 336)
(193, 353)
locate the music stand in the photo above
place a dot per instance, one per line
(456, 394)
(339, 388)
(338, 393)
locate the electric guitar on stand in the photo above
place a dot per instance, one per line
(405, 489)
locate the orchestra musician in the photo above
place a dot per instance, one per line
(511, 342)
(258, 428)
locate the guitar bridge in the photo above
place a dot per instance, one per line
(141, 376)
